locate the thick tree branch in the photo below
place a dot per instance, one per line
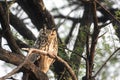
(76, 20)
(6, 31)
(14, 59)
(21, 44)
(10, 57)
(37, 12)
(0, 38)
(94, 38)
(21, 27)
(68, 38)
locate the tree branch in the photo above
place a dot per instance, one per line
(32, 50)
(21, 27)
(37, 12)
(94, 38)
(10, 57)
(6, 31)
(14, 59)
(21, 44)
(67, 40)
(106, 62)
(108, 13)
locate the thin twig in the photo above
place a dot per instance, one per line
(68, 67)
(106, 62)
(75, 53)
(101, 26)
(13, 71)
(102, 35)
(58, 25)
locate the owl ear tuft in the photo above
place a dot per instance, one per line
(53, 29)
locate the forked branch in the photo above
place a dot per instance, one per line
(32, 67)
(32, 50)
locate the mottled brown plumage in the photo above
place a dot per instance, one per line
(47, 41)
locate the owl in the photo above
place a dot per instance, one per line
(47, 41)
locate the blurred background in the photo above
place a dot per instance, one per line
(68, 16)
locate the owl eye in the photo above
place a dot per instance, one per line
(43, 41)
(43, 33)
(52, 34)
